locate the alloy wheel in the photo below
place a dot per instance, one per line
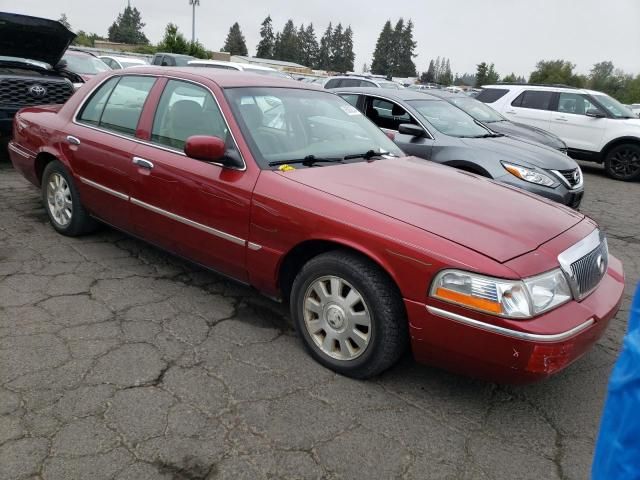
(625, 162)
(59, 200)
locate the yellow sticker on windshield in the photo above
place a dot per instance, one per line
(285, 168)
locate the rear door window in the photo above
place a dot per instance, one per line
(123, 106)
(574, 103)
(534, 99)
(490, 95)
(333, 83)
(92, 110)
(387, 114)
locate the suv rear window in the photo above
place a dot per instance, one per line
(490, 95)
(535, 99)
(333, 83)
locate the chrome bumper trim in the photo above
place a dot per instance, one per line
(529, 337)
(20, 150)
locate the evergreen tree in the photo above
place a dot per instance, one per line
(382, 63)
(64, 20)
(128, 28)
(173, 41)
(447, 76)
(365, 68)
(287, 48)
(430, 75)
(324, 53)
(437, 71)
(335, 50)
(235, 43)
(347, 50)
(266, 46)
(308, 46)
(492, 75)
(405, 48)
(481, 74)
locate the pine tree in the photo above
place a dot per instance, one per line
(235, 43)
(492, 75)
(430, 75)
(405, 45)
(437, 71)
(128, 28)
(266, 46)
(308, 46)
(481, 74)
(324, 54)
(347, 50)
(64, 20)
(382, 55)
(287, 47)
(336, 51)
(173, 41)
(365, 68)
(447, 76)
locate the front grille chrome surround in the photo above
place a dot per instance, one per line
(571, 178)
(585, 263)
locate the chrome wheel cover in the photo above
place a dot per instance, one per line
(337, 318)
(59, 202)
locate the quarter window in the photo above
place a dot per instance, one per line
(92, 110)
(387, 114)
(184, 110)
(352, 99)
(534, 99)
(490, 95)
(124, 106)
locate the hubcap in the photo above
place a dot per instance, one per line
(625, 162)
(59, 201)
(337, 318)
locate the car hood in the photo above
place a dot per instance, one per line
(521, 152)
(496, 220)
(527, 132)
(33, 38)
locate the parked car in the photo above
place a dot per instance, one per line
(120, 62)
(372, 250)
(635, 108)
(171, 60)
(84, 64)
(241, 67)
(594, 126)
(428, 127)
(355, 81)
(31, 73)
(499, 123)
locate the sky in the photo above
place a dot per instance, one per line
(513, 34)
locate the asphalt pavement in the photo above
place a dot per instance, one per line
(120, 361)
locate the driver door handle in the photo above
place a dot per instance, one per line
(72, 140)
(141, 162)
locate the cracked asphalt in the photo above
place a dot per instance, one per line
(119, 361)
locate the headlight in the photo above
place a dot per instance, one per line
(529, 175)
(506, 298)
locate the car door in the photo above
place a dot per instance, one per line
(570, 122)
(196, 209)
(101, 142)
(388, 116)
(532, 107)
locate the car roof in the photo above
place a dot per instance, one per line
(553, 88)
(224, 78)
(400, 95)
(175, 55)
(124, 59)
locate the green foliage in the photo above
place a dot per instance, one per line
(557, 71)
(324, 53)
(235, 43)
(467, 79)
(286, 44)
(395, 50)
(308, 46)
(173, 41)
(64, 20)
(266, 46)
(84, 39)
(486, 74)
(128, 28)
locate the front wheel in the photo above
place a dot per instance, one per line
(62, 202)
(623, 162)
(349, 314)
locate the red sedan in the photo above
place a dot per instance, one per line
(290, 189)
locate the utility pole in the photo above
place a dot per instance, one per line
(194, 4)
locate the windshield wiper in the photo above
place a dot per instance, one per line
(368, 155)
(308, 160)
(490, 135)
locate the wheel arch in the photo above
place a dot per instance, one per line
(293, 261)
(46, 156)
(616, 142)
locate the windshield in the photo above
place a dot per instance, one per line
(269, 73)
(477, 109)
(448, 119)
(286, 124)
(615, 108)
(85, 64)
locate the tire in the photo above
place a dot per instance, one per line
(336, 333)
(623, 162)
(62, 202)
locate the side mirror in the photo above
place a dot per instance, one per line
(211, 149)
(411, 129)
(595, 113)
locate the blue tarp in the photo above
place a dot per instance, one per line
(617, 454)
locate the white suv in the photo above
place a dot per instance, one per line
(594, 126)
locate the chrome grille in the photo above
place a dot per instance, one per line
(25, 92)
(573, 177)
(589, 270)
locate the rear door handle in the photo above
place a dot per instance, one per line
(73, 140)
(562, 119)
(511, 112)
(141, 162)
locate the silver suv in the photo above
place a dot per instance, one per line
(353, 81)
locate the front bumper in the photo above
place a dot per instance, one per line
(561, 194)
(513, 351)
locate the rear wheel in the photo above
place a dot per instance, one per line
(62, 202)
(623, 162)
(349, 314)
